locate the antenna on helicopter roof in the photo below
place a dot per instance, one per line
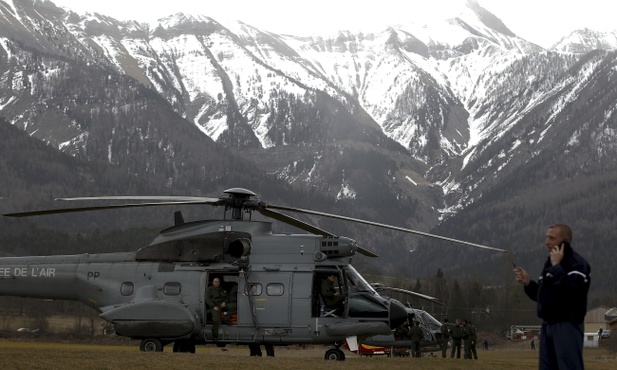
(178, 219)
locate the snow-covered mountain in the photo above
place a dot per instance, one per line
(431, 115)
(586, 40)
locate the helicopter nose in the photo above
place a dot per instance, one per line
(398, 314)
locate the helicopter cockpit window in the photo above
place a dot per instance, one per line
(172, 288)
(357, 282)
(127, 288)
(431, 323)
(275, 289)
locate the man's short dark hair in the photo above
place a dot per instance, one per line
(564, 230)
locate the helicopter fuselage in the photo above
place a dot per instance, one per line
(158, 292)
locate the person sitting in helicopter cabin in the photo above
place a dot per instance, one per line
(216, 298)
(402, 331)
(331, 298)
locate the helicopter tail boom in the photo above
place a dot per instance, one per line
(34, 277)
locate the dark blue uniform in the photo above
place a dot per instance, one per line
(561, 293)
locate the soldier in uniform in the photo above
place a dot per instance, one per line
(456, 332)
(416, 334)
(473, 339)
(331, 298)
(216, 298)
(466, 340)
(445, 336)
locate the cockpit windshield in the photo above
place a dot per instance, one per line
(357, 282)
(431, 322)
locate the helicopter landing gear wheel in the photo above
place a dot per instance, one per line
(151, 345)
(335, 354)
(184, 345)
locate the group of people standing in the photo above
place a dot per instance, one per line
(414, 333)
(464, 334)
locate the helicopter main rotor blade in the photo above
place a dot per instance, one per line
(377, 224)
(157, 198)
(294, 222)
(365, 252)
(307, 227)
(186, 201)
(419, 295)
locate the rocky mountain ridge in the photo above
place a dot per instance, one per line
(412, 125)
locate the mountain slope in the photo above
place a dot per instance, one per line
(416, 125)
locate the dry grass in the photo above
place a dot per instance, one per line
(46, 355)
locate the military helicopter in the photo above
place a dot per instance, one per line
(157, 293)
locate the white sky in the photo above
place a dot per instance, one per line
(541, 21)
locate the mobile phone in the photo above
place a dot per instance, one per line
(565, 244)
(514, 264)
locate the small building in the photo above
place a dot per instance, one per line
(595, 319)
(612, 325)
(591, 340)
(611, 314)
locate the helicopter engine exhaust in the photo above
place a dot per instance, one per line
(239, 248)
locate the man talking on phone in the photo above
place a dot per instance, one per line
(561, 294)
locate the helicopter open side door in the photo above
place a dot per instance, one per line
(265, 299)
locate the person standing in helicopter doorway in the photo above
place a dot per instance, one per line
(216, 298)
(561, 296)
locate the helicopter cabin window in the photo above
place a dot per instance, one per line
(275, 289)
(256, 289)
(127, 288)
(173, 288)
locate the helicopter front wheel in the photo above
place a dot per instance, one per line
(335, 354)
(151, 345)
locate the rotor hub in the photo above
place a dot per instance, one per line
(239, 200)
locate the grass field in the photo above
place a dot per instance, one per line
(46, 355)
